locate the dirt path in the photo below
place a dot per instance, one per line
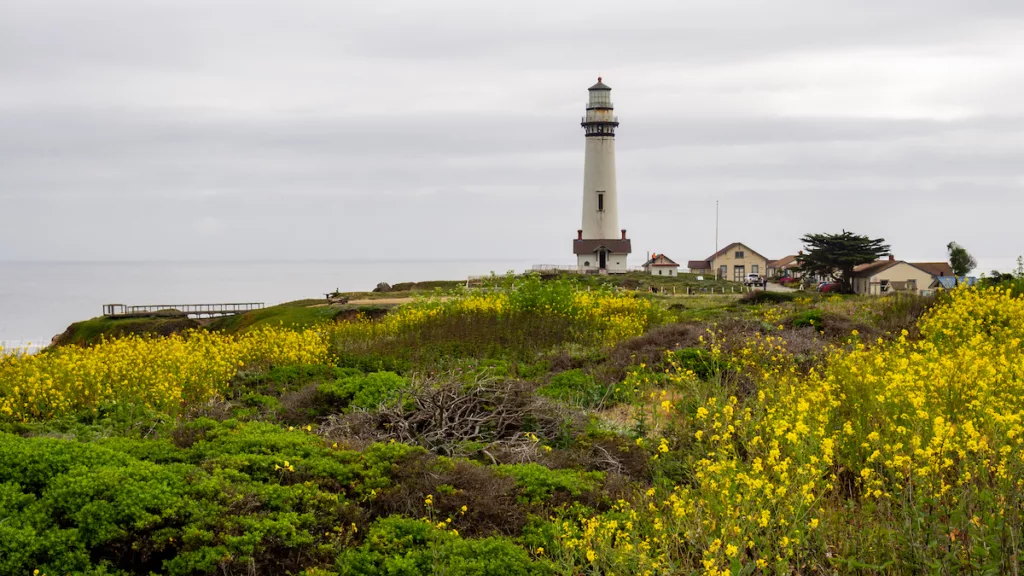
(382, 301)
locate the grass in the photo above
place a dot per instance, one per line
(644, 281)
(88, 332)
(297, 314)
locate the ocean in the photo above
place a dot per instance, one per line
(38, 300)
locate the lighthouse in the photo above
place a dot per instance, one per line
(600, 245)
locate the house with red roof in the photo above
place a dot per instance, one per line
(661, 265)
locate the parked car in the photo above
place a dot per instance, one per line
(829, 287)
(788, 280)
(753, 279)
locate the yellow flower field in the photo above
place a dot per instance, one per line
(157, 373)
(902, 451)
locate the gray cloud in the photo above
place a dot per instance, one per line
(178, 130)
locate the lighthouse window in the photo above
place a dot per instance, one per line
(600, 201)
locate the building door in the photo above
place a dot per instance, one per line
(604, 259)
(738, 273)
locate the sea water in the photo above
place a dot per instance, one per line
(38, 300)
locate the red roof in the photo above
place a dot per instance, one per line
(661, 260)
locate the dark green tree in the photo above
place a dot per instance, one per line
(960, 259)
(836, 255)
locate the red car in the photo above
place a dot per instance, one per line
(787, 280)
(829, 287)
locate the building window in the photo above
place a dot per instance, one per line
(723, 270)
(753, 269)
(600, 201)
(739, 255)
(659, 272)
(586, 262)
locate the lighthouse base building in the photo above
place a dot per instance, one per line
(600, 246)
(599, 254)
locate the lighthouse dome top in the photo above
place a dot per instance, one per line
(600, 85)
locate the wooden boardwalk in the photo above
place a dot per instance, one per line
(196, 310)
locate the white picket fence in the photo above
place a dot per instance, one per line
(8, 347)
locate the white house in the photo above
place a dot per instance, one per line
(661, 265)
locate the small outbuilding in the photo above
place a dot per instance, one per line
(951, 282)
(661, 265)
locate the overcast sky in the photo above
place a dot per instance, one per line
(218, 129)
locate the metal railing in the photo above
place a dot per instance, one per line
(116, 310)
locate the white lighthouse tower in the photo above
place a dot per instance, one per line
(600, 245)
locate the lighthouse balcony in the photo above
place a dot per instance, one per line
(600, 105)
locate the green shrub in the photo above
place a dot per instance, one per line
(242, 497)
(254, 400)
(372, 362)
(367, 392)
(575, 387)
(537, 483)
(766, 297)
(809, 318)
(280, 379)
(400, 546)
(701, 362)
(535, 370)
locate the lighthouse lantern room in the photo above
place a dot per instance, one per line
(600, 246)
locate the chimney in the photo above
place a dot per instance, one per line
(892, 258)
(579, 234)
(623, 233)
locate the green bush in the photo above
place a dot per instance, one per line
(537, 483)
(372, 362)
(241, 497)
(400, 546)
(701, 362)
(766, 297)
(809, 318)
(284, 378)
(575, 387)
(535, 370)
(367, 392)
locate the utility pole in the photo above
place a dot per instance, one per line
(716, 242)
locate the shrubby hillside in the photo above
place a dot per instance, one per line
(545, 428)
